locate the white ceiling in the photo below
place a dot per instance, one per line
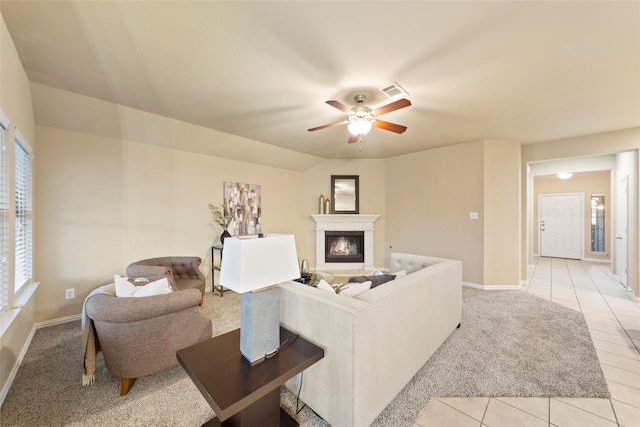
(529, 71)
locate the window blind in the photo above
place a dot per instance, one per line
(24, 226)
(4, 219)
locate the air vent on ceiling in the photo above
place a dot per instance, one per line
(394, 90)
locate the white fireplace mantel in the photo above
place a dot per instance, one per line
(345, 222)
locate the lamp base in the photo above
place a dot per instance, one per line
(259, 323)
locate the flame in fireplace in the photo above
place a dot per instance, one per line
(343, 246)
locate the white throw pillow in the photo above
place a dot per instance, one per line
(325, 286)
(157, 287)
(353, 289)
(124, 288)
(400, 273)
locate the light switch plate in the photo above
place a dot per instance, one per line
(473, 215)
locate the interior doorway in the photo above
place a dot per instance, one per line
(620, 165)
(561, 225)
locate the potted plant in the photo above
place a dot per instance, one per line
(223, 218)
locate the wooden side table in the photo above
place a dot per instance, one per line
(239, 393)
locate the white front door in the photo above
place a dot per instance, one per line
(561, 218)
(623, 225)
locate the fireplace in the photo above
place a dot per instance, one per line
(344, 246)
(346, 226)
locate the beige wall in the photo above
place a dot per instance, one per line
(109, 202)
(588, 183)
(431, 194)
(501, 213)
(15, 94)
(428, 202)
(15, 101)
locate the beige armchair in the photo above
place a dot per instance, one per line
(140, 336)
(183, 271)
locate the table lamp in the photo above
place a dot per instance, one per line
(252, 266)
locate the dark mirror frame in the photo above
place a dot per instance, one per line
(356, 185)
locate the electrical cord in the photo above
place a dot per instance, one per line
(298, 396)
(298, 410)
(285, 344)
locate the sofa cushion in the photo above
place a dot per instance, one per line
(353, 289)
(124, 288)
(375, 280)
(325, 286)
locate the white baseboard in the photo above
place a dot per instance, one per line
(25, 347)
(491, 287)
(16, 366)
(631, 295)
(601, 260)
(58, 321)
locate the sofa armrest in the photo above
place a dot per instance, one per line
(410, 262)
(327, 320)
(109, 308)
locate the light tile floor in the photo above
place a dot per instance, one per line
(613, 318)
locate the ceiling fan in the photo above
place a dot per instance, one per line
(362, 118)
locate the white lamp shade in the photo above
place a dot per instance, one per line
(251, 262)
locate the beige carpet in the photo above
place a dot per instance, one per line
(510, 344)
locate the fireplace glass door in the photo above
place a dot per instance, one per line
(344, 246)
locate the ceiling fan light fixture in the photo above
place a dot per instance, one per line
(359, 127)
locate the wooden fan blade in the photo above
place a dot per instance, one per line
(328, 126)
(352, 138)
(381, 124)
(396, 105)
(340, 106)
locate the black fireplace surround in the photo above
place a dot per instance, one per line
(344, 246)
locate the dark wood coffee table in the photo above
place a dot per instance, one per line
(242, 394)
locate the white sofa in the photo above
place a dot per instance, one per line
(374, 343)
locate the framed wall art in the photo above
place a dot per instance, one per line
(244, 203)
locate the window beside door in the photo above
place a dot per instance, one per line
(597, 224)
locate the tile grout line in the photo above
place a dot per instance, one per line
(458, 410)
(589, 412)
(613, 408)
(573, 285)
(625, 385)
(484, 414)
(522, 410)
(615, 354)
(609, 305)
